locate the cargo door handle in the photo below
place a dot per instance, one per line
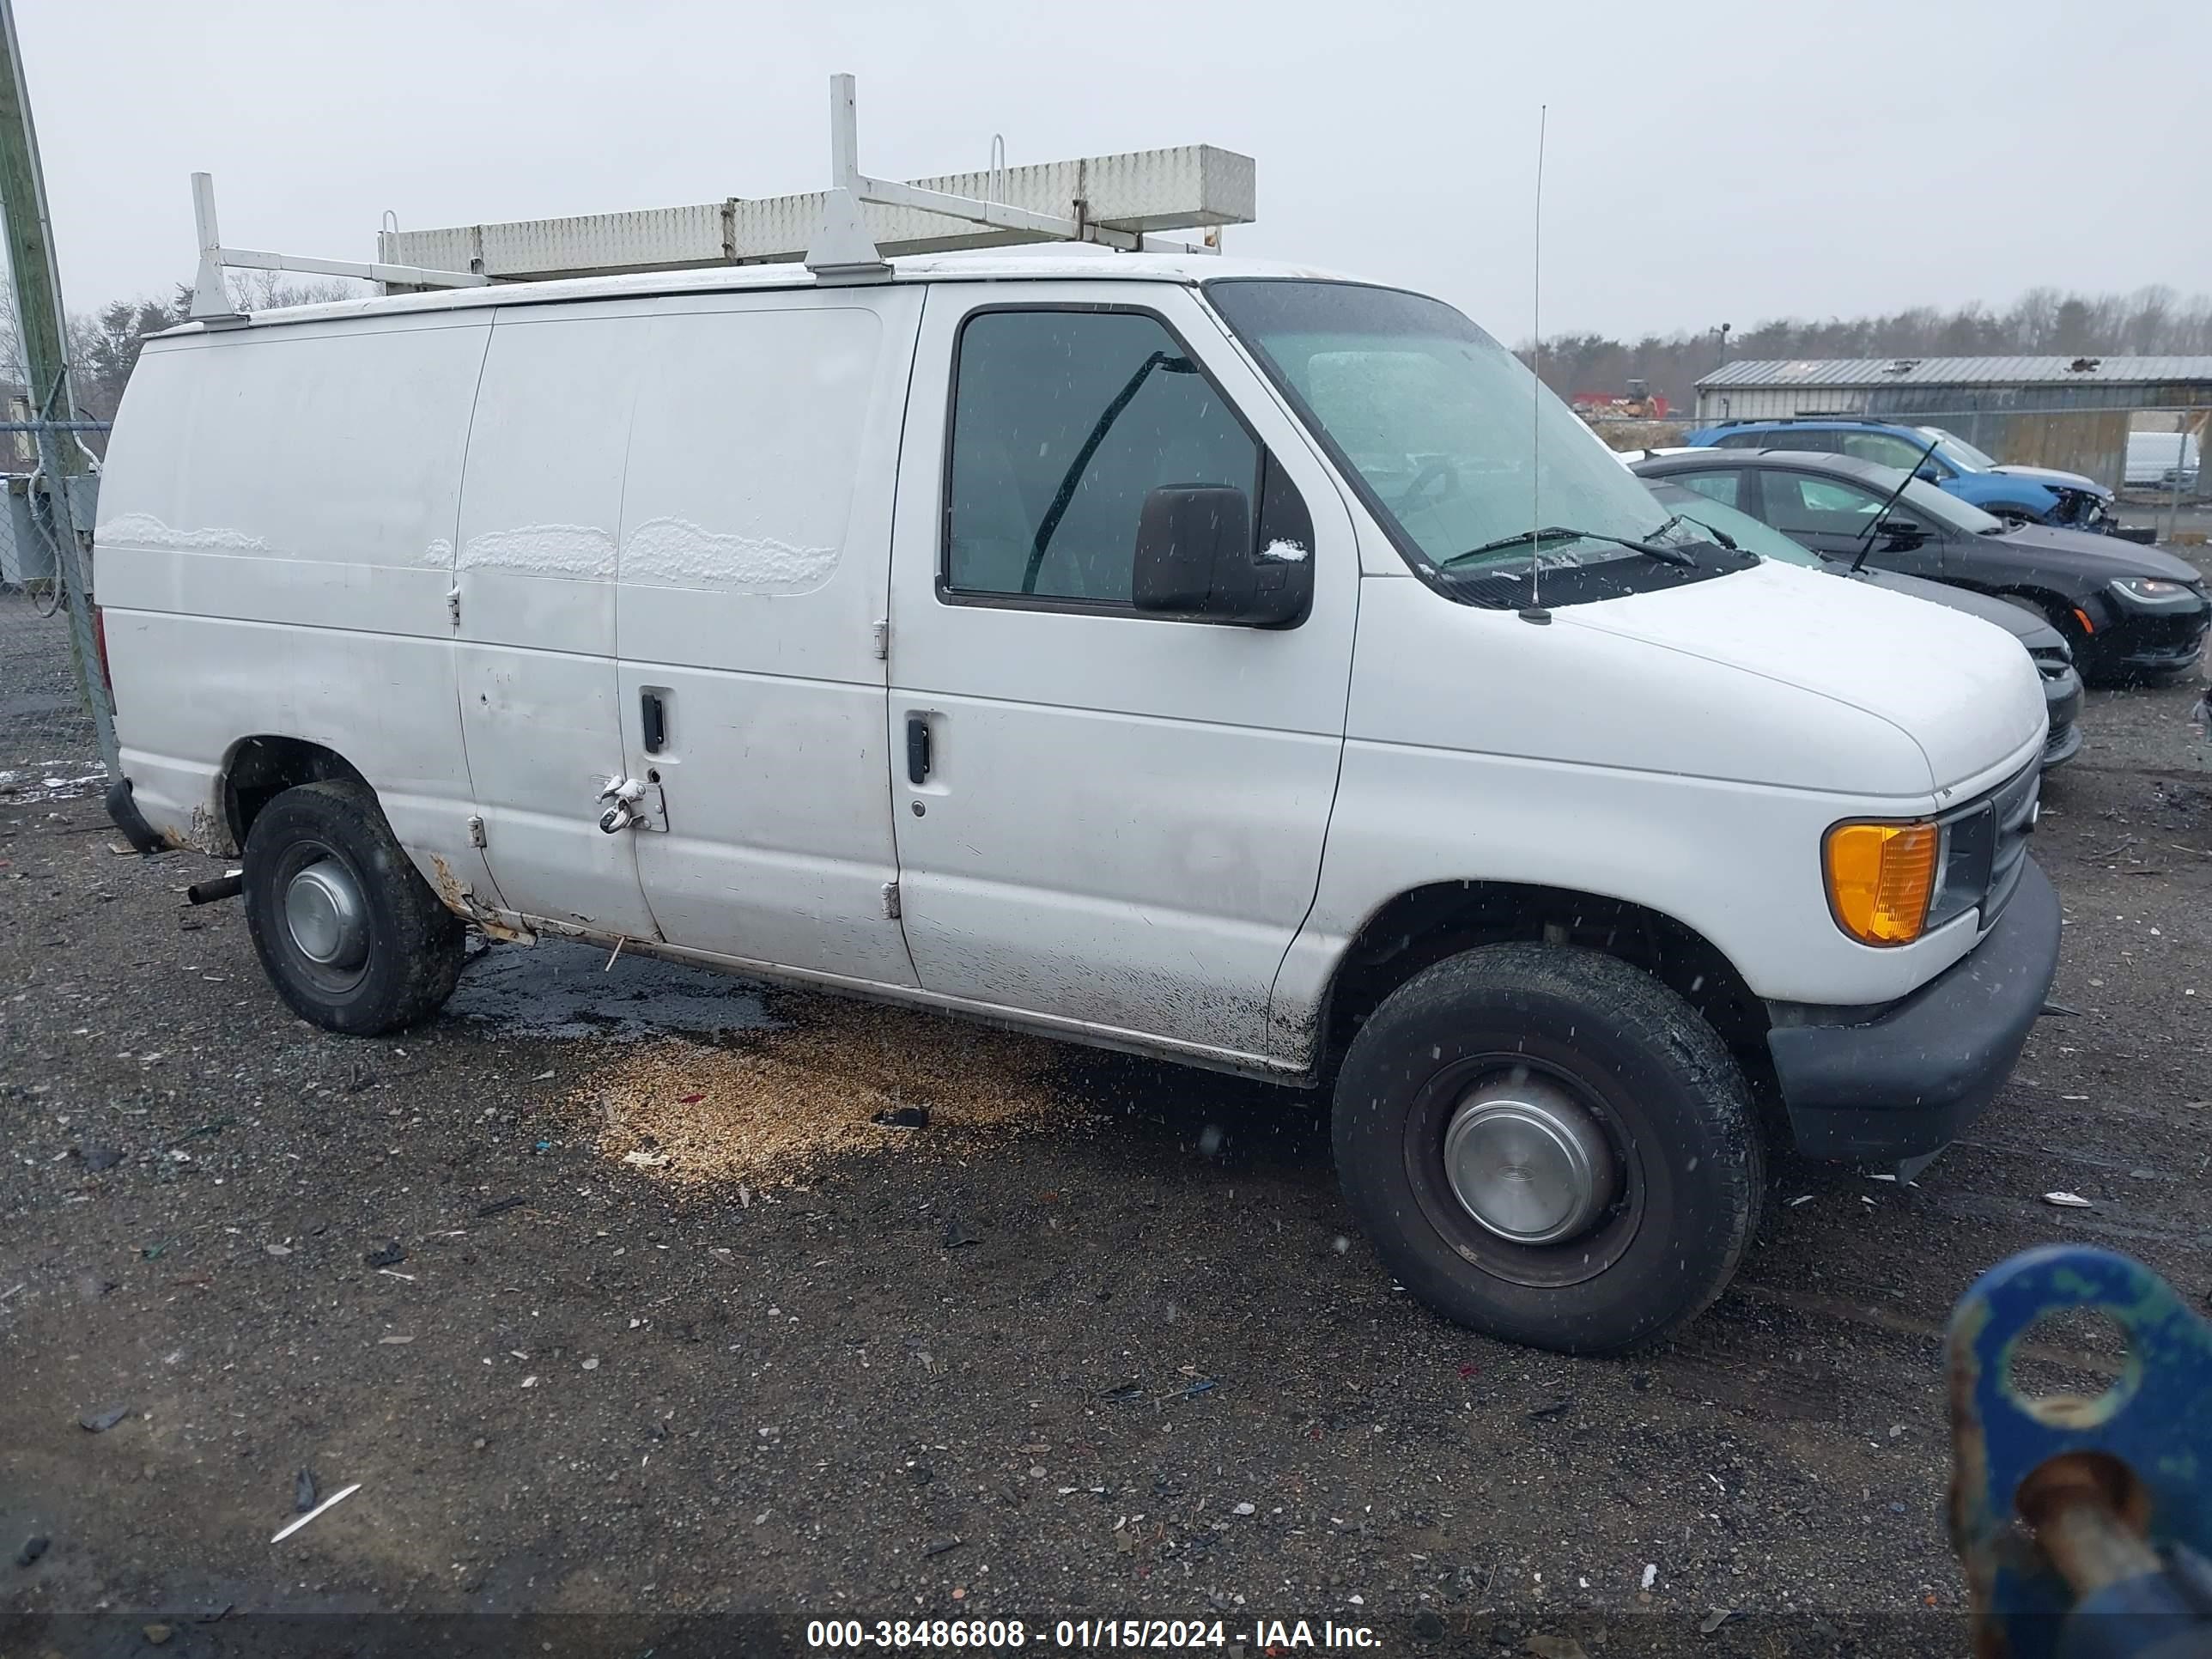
(653, 718)
(917, 748)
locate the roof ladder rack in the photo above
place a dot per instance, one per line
(843, 250)
(847, 232)
(844, 233)
(211, 301)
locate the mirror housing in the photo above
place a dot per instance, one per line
(1904, 532)
(1926, 469)
(1197, 556)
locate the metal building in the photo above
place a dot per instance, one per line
(2068, 412)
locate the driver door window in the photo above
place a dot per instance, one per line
(1724, 487)
(1883, 447)
(1819, 442)
(1834, 517)
(1802, 506)
(1062, 422)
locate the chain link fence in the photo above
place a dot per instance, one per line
(49, 740)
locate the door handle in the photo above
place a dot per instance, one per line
(652, 719)
(917, 748)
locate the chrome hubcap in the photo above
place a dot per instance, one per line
(1528, 1160)
(325, 914)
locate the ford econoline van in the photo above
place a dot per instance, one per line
(1173, 655)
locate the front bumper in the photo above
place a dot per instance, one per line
(1905, 1082)
(2139, 642)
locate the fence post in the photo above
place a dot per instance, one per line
(43, 329)
(2173, 495)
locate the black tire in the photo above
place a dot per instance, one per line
(411, 957)
(1671, 1102)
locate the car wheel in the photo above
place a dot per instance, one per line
(1546, 1145)
(347, 929)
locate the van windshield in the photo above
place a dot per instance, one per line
(1432, 421)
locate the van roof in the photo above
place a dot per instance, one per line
(1066, 262)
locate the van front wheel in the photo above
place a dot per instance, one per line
(347, 929)
(1548, 1145)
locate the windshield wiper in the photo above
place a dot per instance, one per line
(1559, 532)
(1721, 537)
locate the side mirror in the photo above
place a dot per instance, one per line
(1197, 557)
(1904, 532)
(1926, 469)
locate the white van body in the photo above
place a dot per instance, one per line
(466, 543)
(2154, 458)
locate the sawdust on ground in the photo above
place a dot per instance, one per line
(772, 1105)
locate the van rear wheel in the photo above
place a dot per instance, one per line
(347, 929)
(1548, 1145)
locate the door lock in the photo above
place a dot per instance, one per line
(623, 794)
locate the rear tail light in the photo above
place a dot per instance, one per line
(100, 650)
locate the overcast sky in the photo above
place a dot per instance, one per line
(1707, 163)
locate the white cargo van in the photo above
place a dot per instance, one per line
(1151, 652)
(2163, 458)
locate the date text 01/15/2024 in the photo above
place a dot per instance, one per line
(1264, 1635)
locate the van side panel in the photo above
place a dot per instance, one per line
(754, 566)
(273, 553)
(535, 648)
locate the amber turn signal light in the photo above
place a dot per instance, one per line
(1881, 876)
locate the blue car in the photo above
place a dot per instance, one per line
(2019, 495)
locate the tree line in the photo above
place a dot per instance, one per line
(2044, 322)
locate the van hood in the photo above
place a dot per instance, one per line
(1961, 688)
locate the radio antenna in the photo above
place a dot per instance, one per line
(1537, 376)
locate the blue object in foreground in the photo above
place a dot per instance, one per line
(2083, 1524)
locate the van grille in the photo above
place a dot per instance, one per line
(2013, 807)
(1985, 848)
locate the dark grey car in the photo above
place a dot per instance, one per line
(2128, 612)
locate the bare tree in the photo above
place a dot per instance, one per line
(275, 290)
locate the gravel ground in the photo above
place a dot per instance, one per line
(1127, 1358)
(45, 733)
